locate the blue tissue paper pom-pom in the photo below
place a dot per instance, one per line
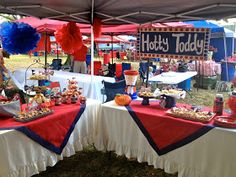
(18, 38)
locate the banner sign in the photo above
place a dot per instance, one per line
(178, 43)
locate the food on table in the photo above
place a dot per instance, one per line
(5, 102)
(171, 91)
(72, 92)
(33, 113)
(146, 94)
(39, 88)
(38, 77)
(39, 98)
(122, 99)
(191, 114)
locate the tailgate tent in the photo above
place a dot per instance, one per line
(121, 11)
(218, 34)
(49, 25)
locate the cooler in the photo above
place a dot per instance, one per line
(185, 85)
(231, 71)
(106, 58)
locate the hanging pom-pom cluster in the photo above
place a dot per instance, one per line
(18, 38)
(69, 37)
(81, 53)
(97, 27)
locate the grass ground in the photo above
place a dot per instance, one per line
(91, 163)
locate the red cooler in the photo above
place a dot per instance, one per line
(106, 58)
(97, 66)
(118, 70)
(122, 55)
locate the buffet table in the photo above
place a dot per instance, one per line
(91, 85)
(172, 77)
(210, 153)
(25, 155)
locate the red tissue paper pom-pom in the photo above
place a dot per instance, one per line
(81, 53)
(97, 27)
(69, 37)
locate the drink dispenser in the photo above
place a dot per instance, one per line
(130, 80)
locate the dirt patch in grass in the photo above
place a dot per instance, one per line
(91, 163)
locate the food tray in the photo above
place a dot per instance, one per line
(33, 118)
(147, 97)
(225, 121)
(178, 94)
(192, 119)
(36, 79)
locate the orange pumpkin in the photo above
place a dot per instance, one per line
(122, 99)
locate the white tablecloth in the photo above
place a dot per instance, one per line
(22, 157)
(211, 155)
(172, 77)
(91, 85)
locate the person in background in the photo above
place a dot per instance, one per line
(79, 58)
(150, 73)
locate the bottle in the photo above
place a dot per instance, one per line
(218, 104)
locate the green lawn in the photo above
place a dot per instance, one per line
(23, 61)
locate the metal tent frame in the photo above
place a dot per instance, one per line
(153, 9)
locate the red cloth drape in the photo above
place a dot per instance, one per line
(165, 133)
(41, 44)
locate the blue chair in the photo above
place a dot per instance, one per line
(143, 69)
(111, 89)
(126, 66)
(56, 64)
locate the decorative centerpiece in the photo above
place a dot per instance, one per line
(130, 79)
(72, 93)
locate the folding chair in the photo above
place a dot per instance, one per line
(56, 64)
(111, 89)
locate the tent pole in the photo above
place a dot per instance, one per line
(92, 51)
(148, 63)
(112, 47)
(45, 52)
(226, 60)
(233, 46)
(57, 51)
(92, 40)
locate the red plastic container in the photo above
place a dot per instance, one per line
(97, 67)
(122, 55)
(106, 58)
(118, 70)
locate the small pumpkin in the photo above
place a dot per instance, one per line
(122, 99)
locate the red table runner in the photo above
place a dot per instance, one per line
(165, 133)
(52, 131)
